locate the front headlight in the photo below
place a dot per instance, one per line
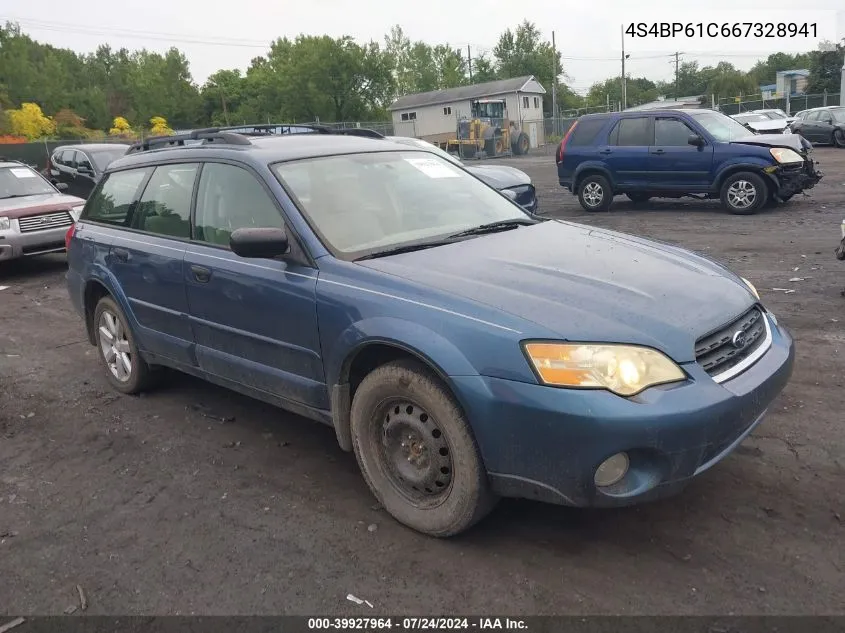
(5, 224)
(785, 155)
(76, 211)
(625, 370)
(751, 288)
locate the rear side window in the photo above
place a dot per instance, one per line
(585, 132)
(631, 132)
(111, 203)
(69, 158)
(165, 206)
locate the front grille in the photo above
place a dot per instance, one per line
(719, 352)
(524, 194)
(45, 221)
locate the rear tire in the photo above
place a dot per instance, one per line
(522, 145)
(125, 369)
(416, 451)
(638, 198)
(595, 193)
(839, 138)
(744, 193)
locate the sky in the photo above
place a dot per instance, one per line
(215, 35)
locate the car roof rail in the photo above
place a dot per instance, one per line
(273, 129)
(204, 136)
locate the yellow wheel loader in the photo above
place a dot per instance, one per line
(488, 132)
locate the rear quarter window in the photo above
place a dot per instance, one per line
(111, 203)
(586, 131)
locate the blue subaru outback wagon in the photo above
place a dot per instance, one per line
(463, 349)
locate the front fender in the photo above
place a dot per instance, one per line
(433, 348)
(744, 163)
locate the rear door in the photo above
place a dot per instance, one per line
(85, 178)
(626, 152)
(146, 260)
(254, 320)
(65, 169)
(811, 127)
(674, 163)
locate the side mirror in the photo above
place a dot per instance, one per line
(695, 139)
(61, 186)
(259, 243)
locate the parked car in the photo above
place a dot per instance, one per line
(675, 153)
(444, 333)
(512, 182)
(822, 125)
(80, 167)
(774, 114)
(761, 124)
(34, 215)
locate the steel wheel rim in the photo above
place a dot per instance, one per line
(593, 194)
(742, 194)
(414, 453)
(114, 346)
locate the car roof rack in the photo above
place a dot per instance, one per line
(278, 129)
(239, 135)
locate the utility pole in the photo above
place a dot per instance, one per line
(677, 72)
(624, 78)
(469, 62)
(554, 86)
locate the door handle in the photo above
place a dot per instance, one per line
(121, 254)
(201, 274)
(605, 151)
(659, 151)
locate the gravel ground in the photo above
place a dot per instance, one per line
(195, 500)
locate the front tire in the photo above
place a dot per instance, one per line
(125, 369)
(744, 193)
(594, 193)
(839, 138)
(416, 451)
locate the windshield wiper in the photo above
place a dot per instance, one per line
(493, 227)
(408, 248)
(22, 195)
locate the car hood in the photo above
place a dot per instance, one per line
(778, 125)
(584, 284)
(792, 141)
(499, 176)
(33, 205)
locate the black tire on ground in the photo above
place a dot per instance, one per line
(522, 144)
(838, 138)
(466, 150)
(139, 377)
(638, 197)
(744, 193)
(594, 193)
(404, 397)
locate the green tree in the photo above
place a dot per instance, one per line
(524, 52)
(639, 90)
(825, 67)
(483, 69)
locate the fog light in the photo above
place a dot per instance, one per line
(611, 470)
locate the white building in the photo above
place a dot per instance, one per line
(433, 116)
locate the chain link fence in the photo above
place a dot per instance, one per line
(790, 105)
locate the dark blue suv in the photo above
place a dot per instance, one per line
(675, 153)
(433, 323)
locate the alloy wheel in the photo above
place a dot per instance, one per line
(742, 194)
(114, 345)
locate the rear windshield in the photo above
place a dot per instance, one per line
(102, 157)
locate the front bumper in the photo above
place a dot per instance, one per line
(14, 244)
(545, 443)
(789, 180)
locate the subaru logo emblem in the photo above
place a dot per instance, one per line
(738, 339)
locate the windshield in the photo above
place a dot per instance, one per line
(360, 204)
(22, 181)
(838, 114)
(776, 114)
(720, 126)
(750, 118)
(429, 147)
(102, 157)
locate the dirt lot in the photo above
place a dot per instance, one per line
(195, 500)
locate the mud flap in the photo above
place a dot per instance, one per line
(341, 408)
